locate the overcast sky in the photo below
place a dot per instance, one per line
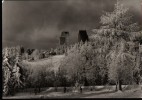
(38, 24)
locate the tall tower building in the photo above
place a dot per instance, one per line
(82, 36)
(64, 38)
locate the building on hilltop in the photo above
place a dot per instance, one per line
(82, 36)
(64, 38)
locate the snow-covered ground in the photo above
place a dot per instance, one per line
(131, 92)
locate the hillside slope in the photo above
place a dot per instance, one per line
(55, 60)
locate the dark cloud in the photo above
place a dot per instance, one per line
(38, 24)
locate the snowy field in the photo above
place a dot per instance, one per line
(98, 92)
(55, 60)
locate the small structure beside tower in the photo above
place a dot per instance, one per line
(64, 38)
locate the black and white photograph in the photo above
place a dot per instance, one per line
(75, 49)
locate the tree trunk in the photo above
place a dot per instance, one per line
(39, 89)
(35, 90)
(116, 86)
(120, 85)
(65, 89)
(80, 89)
(91, 88)
(137, 81)
(56, 88)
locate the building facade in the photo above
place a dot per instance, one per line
(64, 38)
(82, 36)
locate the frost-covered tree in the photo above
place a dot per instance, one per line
(73, 62)
(117, 30)
(6, 70)
(121, 64)
(12, 78)
(85, 51)
(78, 62)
